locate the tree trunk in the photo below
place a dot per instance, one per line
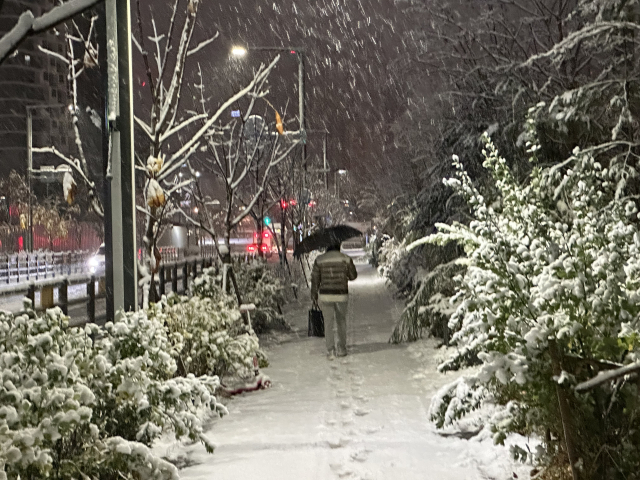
(568, 425)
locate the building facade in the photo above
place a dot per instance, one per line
(31, 77)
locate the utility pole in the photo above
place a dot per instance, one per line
(120, 225)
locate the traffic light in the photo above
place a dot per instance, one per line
(267, 221)
(283, 204)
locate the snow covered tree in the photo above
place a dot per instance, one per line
(550, 298)
(28, 25)
(243, 156)
(80, 55)
(174, 131)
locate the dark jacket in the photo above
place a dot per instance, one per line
(330, 276)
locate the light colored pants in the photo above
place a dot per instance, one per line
(337, 311)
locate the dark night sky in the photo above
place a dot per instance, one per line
(351, 49)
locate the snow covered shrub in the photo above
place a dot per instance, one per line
(86, 403)
(551, 297)
(397, 265)
(209, 284)
(260, 285)
(429, 307)
(211, 336)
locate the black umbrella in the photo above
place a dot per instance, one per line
(325, 238)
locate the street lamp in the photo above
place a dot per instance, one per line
(30, 109)
(240, 51)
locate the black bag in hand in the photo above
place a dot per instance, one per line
(316, 321)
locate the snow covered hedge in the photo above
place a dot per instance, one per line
(429, 307)
(551, 297)
(258, 285)
(262, 287)
(210, 333)
(87, 403)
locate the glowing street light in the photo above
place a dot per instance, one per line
(238, 51)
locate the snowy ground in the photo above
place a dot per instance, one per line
(361, 417)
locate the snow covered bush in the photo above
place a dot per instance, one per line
(551, 297)
(88, 403)
(211, 335)
(429, 307)
(261, 286)
(209, 284)
(258, 285)
(397, 265)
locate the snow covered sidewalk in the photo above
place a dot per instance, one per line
(361, 417)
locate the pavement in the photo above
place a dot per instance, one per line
(362, 417)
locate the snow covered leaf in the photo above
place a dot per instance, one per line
(69, 188)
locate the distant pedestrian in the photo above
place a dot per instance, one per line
(329, 285)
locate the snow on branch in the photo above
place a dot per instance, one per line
(28, 25)
(579, 36)
(180, 126)
(260, 76)
(203, 44)
(608, 376)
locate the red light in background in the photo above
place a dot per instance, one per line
(251, 248)
(283, 203)
(293, 52)
(266, 235)
(264, 248)
(312, 203)
(293, 202)
(144, 83)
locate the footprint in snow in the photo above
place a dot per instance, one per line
(345, 405)
(361, 412)
(338, 442)
(360, 455)
(342, 471)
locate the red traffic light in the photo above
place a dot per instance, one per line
(293, 202)
(283, 204)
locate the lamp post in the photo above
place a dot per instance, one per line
(30, 109)
(118, 162)
(240, 51)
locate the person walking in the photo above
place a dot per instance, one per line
(330, 285)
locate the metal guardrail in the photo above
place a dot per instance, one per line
(25, 266)
(177, 274)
